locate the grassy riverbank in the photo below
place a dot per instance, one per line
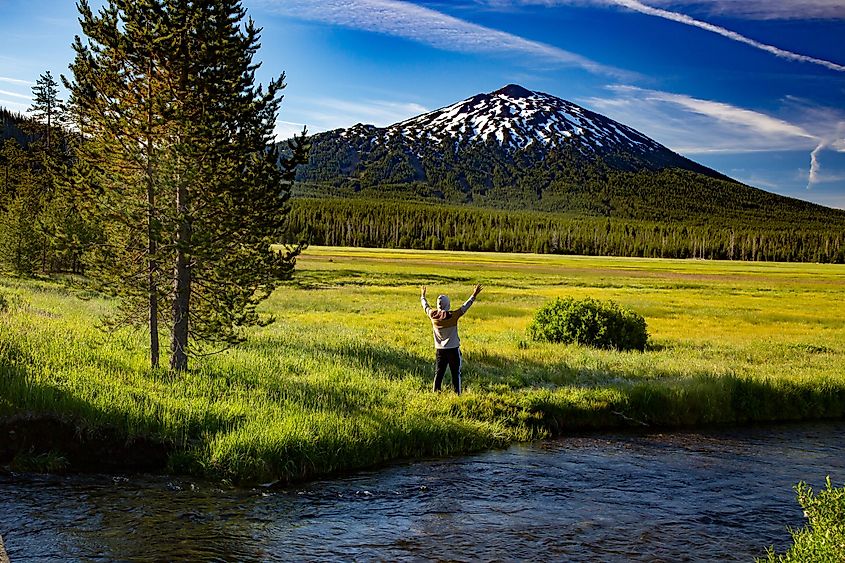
(341, 380)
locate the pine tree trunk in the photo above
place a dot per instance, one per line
(49, 123)
(152, 236)
(153, 266)
(182, 285)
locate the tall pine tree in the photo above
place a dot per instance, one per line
(46, 107)
(179, 160)
(65, 232)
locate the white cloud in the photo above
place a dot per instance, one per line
(433, 28)
(15, 95)
(693, 126)
(833, 139)
(828, 125)
(374, 112)
(757, 122)
(287, 129)
(15, 81)
(815, 167)
(14, 106)
(325, 114)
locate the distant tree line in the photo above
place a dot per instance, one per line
(394, 224)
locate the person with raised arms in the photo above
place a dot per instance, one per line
(446, 341)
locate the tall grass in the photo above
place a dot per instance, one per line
(341, 381)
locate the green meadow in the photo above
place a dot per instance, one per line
(342, 379)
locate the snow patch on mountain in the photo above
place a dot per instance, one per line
(514, 118)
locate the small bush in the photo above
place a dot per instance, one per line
(602, 324)
(823, 539)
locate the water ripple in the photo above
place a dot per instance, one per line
(688, 496)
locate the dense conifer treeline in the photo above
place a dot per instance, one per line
(13, 126)
(394, 224)
(42, 228)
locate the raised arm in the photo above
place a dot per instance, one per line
(426, 307)
(468, 303)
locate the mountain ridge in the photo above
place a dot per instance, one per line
(516, 127)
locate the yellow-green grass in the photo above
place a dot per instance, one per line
(342, 379)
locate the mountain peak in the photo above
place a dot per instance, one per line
(514, 91)
(516, 118)
(505, 141)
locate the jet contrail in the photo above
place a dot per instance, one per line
(685, 19)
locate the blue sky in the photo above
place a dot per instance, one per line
(752, 88)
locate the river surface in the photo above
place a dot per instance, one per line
(718, 495)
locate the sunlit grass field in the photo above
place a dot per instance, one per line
(342, 379)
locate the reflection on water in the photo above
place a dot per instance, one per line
(718, 495)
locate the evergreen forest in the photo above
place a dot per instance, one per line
(366, 222)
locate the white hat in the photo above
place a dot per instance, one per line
(443, 302)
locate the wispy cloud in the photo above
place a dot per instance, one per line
(433, 28)
(695, 126)
(815, 167)
(13, 105)
(325, 114)
(374, 112)
(828, 125)
(15, 95)
(14, 100)
(287, 129)
(835, 142)
(15, 81)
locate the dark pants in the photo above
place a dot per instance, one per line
(451, 358)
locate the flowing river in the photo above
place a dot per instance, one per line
(714, 495)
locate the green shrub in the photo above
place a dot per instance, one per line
(823, 539)
(602, 324)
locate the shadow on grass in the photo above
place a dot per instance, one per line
(560, 396)
(45, 417)
(383, 360)
(44, 422)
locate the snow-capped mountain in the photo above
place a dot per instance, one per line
(515, 118)
(510, 143)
